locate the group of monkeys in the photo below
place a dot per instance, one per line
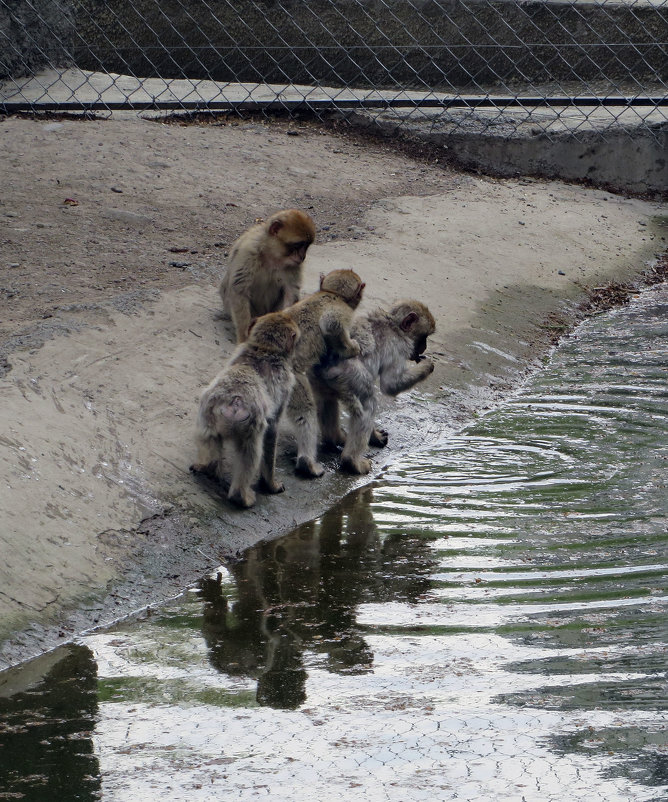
(305, 357)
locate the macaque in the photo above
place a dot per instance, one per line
(242, 407)
(265, 268)
(392, 343)
(324, 320)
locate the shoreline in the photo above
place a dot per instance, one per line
(103, 519)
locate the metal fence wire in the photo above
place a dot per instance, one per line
(487, 64)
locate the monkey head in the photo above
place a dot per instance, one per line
(345, 283)
(289, 234)
(275, 332)
(417, 323)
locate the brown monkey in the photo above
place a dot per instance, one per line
(324, 322)
(242, 406)
(265, 269)
(391, 346)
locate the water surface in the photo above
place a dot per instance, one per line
(487, 621)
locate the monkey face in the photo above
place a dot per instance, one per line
(295, 252)
(419, 347)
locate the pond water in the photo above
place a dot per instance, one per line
(487, 621)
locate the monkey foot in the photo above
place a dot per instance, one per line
(309, 469)
(379, 438)
(357, 466)
(271, 486)
(208, 470)
(242, 498)
(333, 445)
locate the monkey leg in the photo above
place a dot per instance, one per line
(333, 436)
(268, 481)
(247, 457)
(303, 414)
(360, 431)
(209, 456)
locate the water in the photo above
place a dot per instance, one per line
(486, 622)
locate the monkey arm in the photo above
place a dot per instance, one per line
(290, 294)
(337, 337)
(240, 312)
(396, 378)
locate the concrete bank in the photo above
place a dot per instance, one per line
(100, 514)
(623, 149)
(604, 147)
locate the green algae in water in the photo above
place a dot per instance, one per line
(487, 621)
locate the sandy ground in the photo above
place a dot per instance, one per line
(113, 235)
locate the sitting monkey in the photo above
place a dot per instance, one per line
(242, 407)
(391, 346)
(324, 320)
(265, 268)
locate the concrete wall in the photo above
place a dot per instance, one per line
(374, 42)
(36, 34)
(628, 161)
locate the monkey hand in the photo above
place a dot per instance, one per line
(426, 366)
(352, 351)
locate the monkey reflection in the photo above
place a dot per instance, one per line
(300, 594)
(47, 727)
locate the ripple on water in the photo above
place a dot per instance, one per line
(486, 622)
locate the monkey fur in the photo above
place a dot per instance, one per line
(324, 320)
(392, 343)
(265, 268)
(242, 407)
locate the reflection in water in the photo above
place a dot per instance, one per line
(47, 715)
(300, 593)
(487, 622)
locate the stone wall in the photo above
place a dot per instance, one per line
(374, 43)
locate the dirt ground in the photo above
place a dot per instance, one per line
(113, 236)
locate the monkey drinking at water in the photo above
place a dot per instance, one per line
(392, 343)
(242, 407)
(265, 268)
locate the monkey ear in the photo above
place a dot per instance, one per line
(275, 227)
(322, 278)
(408, 321)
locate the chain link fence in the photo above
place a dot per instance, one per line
(456, 64)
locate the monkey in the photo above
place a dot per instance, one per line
(243, 405)
(265, 268)
(392, 343)
(324, 320)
